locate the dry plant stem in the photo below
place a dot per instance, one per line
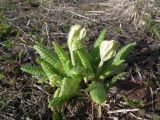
(138, 118)
(123, 111)
(152, 99)
(99, 111)
(7, 117)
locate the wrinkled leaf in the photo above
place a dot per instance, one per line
(57, 115)
(69, 86)
(115, 79)
(95, 50)
(58, 101)
(97, 92)
(124, 51)
(86, 63)
(55, 80)
(33, 70)
(114, 69)
(46, 54)
(63, 57)
(56, 93)
(131, 102)
(76, 72)
(48, 69)
(100, 38)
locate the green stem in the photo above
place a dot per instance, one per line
(72, 58)
(99, 67)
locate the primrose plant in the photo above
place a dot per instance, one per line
(68, 71)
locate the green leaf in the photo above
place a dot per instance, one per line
(46, 54)
(78, 59)
(43, 79)
(56, 94)
(76, 72)
(95, 50)
(124, 51)
(33, 70)
(97, 92)
(131, 102)
(101, 37)
(58, 101)
(48, 68)
(85, 62)
(113, 69)
(63, 57)
(69, 86)
(115, 65)
(115, 79)
(55, 80)
(4, 29)
(86, 53)
(57, 115)
(110, 66)
(58, 66)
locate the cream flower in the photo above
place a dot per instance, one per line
(108, 49)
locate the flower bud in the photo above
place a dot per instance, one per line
(74, 31)
(108, 49)
(82, 34)
(76, 37)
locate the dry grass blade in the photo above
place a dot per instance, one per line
(123, 111)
